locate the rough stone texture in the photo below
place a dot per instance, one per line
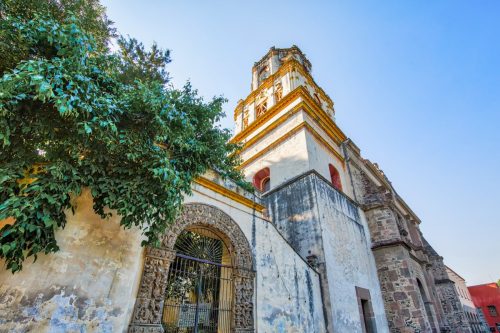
(417, 295)
(404, 304)
(326, 228)
(456, 320)
(470, 310)
(88, 286)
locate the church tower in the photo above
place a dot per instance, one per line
(287, 124)
(292, 153)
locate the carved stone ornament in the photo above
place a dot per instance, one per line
(146, 317)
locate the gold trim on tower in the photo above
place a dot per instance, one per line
(308, 105)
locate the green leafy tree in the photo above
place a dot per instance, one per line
(74, 115)
(13, 48)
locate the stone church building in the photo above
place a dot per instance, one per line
(325, 244)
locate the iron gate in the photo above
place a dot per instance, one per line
(199, 286)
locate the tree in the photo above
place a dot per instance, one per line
(73, 115)
(92, 18)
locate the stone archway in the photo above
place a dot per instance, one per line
(147, 314)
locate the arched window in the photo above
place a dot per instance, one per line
(189, 284)
(278, 92)
(266, 184)
(261, 108)
(335, 177)
(426, 301)
(317, 99)
(262, 180)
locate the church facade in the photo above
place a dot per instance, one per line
(325, 244)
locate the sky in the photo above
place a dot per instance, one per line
(416, 85)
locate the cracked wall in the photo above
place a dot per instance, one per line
(88, 286)
(328, 229)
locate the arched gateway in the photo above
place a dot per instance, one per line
(200, 280)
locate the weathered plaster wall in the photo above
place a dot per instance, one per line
(349, 260)
(288, 296)
(293, 210)
(91, 284)
(327, 229)
(319, 158)
(88, 286)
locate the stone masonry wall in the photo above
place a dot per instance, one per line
(403, 303)
(454, 314)
(399, 262)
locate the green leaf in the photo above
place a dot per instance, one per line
(88, 129)
(47, 221)
(5, 248)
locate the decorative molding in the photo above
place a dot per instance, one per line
(229, 194)
(303, 125)
(288, 66)
(146, 317)
(308, 105)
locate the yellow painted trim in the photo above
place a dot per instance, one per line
(272, 126)
(229, 194)
(293, 131)
(307, 104)
(318, 137)
(273, 110)
(289, 66)
(272, 145)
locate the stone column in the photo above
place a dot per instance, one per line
(243, 307)
(148, 308)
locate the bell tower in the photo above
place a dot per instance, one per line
(292, 152)
(287, 124)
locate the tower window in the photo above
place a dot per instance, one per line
(278, 92)
(492, 310)
(263, 74)
(245, 119)
(335, 177)
(317, 99)
(262, 180)
(261, 109)
(266, 184)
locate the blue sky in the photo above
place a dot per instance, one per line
(416, 85)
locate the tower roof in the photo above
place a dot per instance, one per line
(284, 54)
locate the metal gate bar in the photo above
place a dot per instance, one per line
(199, 296)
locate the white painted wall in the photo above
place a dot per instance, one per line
(286, 161)
(319, 158)
(90, 285)
(288, 293)
(349, 260)
(462, 290)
